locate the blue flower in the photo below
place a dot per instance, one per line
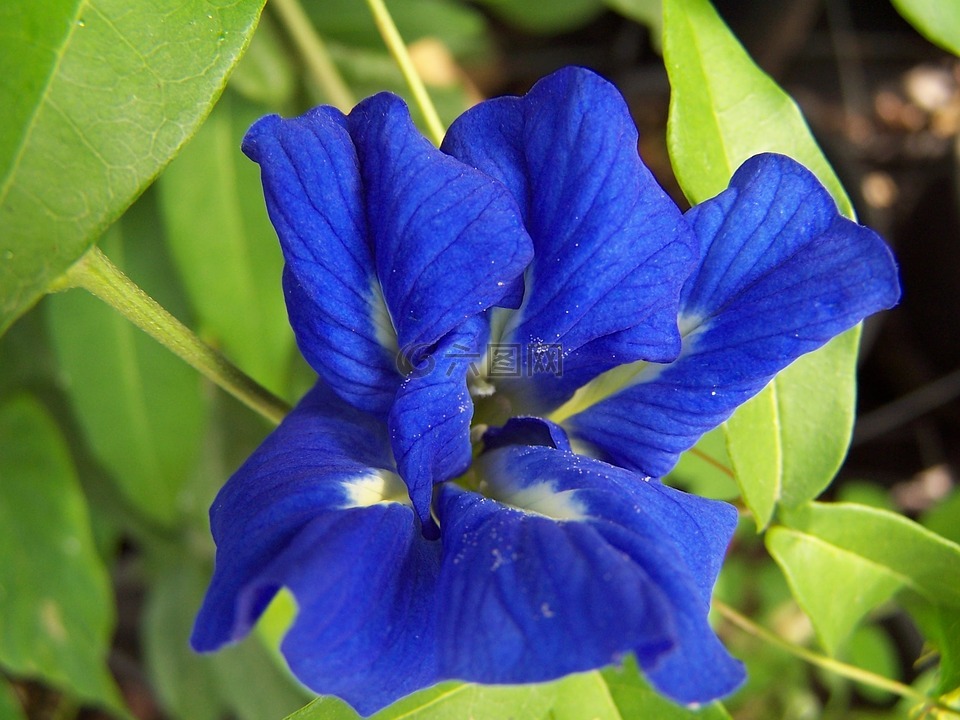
(437, 517)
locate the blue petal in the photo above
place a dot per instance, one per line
(389, 243)
(448, 239)
(577, 564)
(430, 420)
(781, 273)
(315, 198)
(526, 431)
(523, 598)
(612, 250)
(308, 511)
(365, 582)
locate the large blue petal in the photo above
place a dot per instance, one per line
(430, 420)
(781, 273)
(312, 510)
(314, 194)
(389, 243)
(574, 565)
(612, 250)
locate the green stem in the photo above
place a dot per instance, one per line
(95, 273)
(850, 672)
(314, 52)
(391, 37)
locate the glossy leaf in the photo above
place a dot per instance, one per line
(225, 247)
(56, 609)
(139, 406)
(101, 94)
(723, 110)
(936, 20)
(863, 555)
(788, 442)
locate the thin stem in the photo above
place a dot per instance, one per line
(95, 273)
(391, 37)
(835, 666)
(314, 52)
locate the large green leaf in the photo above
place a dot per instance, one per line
(98, 96)
(863, 555)
(56, 609)
(936, 20)
(225, 247)
(139, 406)
(724, 109)
(787, 443)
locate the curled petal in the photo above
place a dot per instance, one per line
(611, 249)
(318, 509)
(575, 563)
(781, 273)
(389, 243)
(430, 420)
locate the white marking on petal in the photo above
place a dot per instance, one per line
(543, 499)
(383, 327)
(379, 486)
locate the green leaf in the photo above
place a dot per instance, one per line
(460, 28)
(705, 469)
(99, 95)
(635, 698)
(820, 574)
(139, 406)
(724, 109)
(936, 20)
(225, 247)
(584, 695)
(242, 681)
(548, 18)
(450, 700)
(10, 708)
(266, 72)
(864, 556)
(787, 443)
(941, 630)
(871, 649)
(56, 608)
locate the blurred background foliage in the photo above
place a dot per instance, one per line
(111, 448)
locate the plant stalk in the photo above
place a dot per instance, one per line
(95, 273)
